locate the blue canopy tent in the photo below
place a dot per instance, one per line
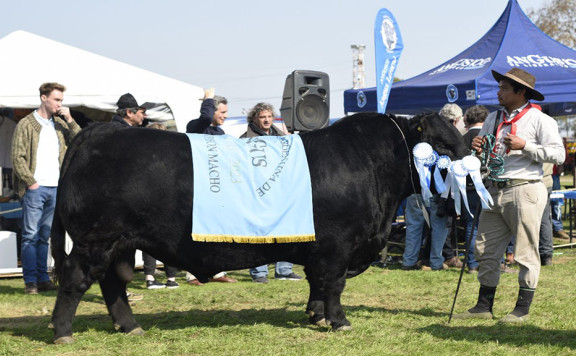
(466, 80)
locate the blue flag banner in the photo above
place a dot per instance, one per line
(387, 46)
(253, 190)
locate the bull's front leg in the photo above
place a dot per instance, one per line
(315, 307)
(324, 306)
(335, 315)
(73, 283)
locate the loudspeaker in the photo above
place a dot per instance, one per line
(306, 101)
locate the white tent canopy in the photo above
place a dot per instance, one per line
(92, 81)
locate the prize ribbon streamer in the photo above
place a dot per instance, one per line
(422, 156)
(459, 174)
(443, 162)
(472, 165)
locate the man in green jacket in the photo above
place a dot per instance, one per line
(38, 146)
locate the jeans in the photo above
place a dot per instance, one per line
(471, 228)
(546, 245)
(414, 226)
(282, 269)
(556, 205)
(37, 213)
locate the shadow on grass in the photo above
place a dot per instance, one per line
(512, 335)
(35, 327)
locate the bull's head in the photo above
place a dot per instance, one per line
(440, 134)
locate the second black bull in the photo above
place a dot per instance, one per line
(123, 189)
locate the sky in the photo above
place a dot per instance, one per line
(245, 49)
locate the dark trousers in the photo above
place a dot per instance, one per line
(150, 266)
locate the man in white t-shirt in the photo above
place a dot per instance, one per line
(38, 148)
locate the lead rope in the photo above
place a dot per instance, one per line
(492, 163)
(409, 154)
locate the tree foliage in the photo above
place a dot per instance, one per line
(557, 19)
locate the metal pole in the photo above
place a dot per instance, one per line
(475, 222)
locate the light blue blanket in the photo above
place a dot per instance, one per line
(252, 190)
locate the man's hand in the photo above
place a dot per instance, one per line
(34, 186)
(209, 93)
(514, 142)
(477, 143)
(64, 112)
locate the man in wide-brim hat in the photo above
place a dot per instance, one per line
(525, 138)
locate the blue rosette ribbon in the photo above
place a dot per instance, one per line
(443, 162)
(423, 156)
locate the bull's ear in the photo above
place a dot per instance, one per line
(418, 124)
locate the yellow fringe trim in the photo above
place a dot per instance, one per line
(253, 239)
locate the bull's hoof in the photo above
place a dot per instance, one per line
(137, 331)
(321, 322)
(342, 328)
(64, 340)
(316, 319)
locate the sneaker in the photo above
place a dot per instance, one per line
(473, 270)
(172, 284)
(291, 277)
(31, 288)
(263, 280)
(454, 262)
(46, 286)
(154, 285)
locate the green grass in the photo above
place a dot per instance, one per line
(393, 312)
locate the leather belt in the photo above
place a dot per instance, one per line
(514, 183)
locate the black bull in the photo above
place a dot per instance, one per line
(123, 189)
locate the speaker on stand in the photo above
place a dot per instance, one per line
(306, 101)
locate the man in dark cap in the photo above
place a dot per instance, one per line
(525, 137)
(129, 113)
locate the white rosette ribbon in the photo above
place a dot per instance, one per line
(443, 162)
(459, 174)
(472, 164)
(423, 154)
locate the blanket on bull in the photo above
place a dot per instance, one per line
(253, 190)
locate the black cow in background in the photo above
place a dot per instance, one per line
(123, 189)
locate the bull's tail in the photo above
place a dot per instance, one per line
(58, 245)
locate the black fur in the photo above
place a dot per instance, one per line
(126, 189)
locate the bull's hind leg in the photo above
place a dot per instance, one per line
(73, 283)
(114, 292)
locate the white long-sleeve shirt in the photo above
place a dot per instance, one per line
(543, 144)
